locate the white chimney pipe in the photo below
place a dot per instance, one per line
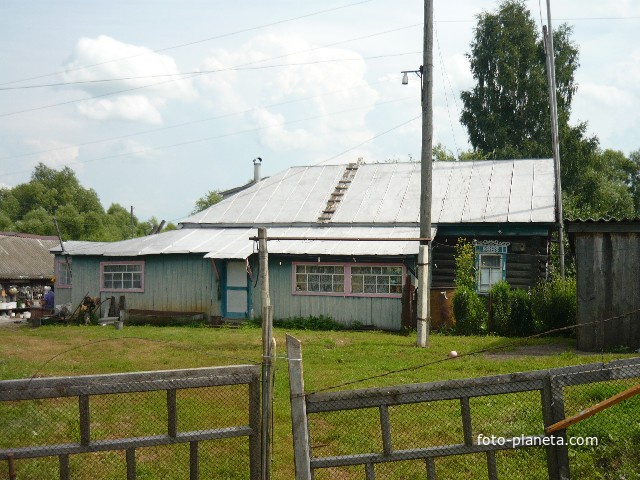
(257, 162)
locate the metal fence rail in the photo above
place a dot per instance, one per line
(432, 425)
(49, 407)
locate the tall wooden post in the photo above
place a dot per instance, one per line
(555, 137)
(267, 355)
(424, 273)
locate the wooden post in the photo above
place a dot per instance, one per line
(267, 356)
(426, 180)
(299, 426)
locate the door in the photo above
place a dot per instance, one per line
(236, 290)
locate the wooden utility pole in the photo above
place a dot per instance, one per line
(553, 107)
(268, 354)
(424, 254)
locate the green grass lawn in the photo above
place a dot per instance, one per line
(330, 359)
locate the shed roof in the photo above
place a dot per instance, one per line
(503, 191)
(235, 242)
(26, 257)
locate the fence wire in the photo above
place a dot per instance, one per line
(199, 423)
(490, 427)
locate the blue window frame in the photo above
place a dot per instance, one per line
(490, 263)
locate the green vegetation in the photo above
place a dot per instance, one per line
(506, 114)
(330, 359)
(30, 208)
(554, 303)
(210, 198)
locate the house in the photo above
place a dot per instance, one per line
(25, 263)
(608, 278)
(346, 242)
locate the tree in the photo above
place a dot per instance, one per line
(507, 112)
(210, 198)
(30, 208)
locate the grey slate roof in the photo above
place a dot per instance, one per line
(514, 191)
(26, 257)
(381, 201)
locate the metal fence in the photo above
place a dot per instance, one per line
(488, 427)
(204, 421)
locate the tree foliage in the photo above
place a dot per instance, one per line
(210, 198)
(507, 114)
(30, 208)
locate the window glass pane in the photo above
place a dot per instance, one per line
(369, 289)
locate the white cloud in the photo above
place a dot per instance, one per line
(54, 154)
(111, 59)
(312, 86)
(127, 107)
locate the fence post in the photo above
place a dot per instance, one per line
(255, 440)
(299, 426)
(553, 411)
(267, 356)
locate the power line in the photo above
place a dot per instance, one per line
(341, 42)
(216, 137)
(204, 72)
(184, 124)
(195, 42)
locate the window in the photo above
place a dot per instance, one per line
(489, 271)
(320, 278)
(63, 273)
(490, 263)
(122, 276)
(376, 280)
(348, 279)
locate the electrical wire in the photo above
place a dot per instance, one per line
(195, 42)
(226, 135)
(206, 72)
(142, 87)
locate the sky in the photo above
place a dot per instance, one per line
(196, 89)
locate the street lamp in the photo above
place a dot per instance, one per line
(405, 78)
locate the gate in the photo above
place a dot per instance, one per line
(161, 423)
(411, 431)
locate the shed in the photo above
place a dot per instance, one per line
(27, 263)
(608, 280)
(347, 241)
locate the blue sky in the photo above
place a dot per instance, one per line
(296, 83)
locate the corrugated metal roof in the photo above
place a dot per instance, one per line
(513, 191)
(26, 256)
(381, 200)
(236, 243)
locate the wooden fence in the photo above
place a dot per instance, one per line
(89, 389)
(549, 383)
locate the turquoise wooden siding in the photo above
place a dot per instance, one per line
(383, 313)
(176, 283)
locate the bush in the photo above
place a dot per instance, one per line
(500, 320)
(321, 323)
(510, 311)
(554, 304)
(465, 273)
(469, 311)
(522, 324)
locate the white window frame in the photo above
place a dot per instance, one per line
(346, 278)
(123, 274)
(64, 273)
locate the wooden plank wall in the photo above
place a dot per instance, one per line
(524, 269)
(175, 283)
(608, 281)
(383, 313)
